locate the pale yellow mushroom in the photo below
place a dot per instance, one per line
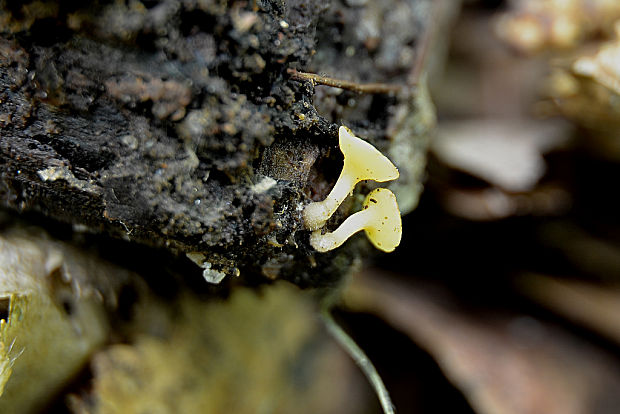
(362, 161)
(380, 219)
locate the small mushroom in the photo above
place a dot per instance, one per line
(380, 219)
(362, 161)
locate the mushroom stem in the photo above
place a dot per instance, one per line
(362, 161)
(317, 213)
(328, 241)
(379, 218)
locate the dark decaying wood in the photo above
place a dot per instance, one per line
(177, 123)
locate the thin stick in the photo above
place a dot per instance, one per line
(360, 358)
(370, 88)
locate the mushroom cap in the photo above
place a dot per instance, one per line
(364, 160)
(385, 229)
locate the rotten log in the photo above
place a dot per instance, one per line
(178, 124)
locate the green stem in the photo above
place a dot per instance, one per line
(360, 358)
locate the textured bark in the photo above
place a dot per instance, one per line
(175, 123)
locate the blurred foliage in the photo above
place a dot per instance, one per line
(52, 323)
(256, 352)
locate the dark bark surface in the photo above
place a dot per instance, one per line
(175, 123)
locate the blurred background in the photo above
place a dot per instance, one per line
(503, 297)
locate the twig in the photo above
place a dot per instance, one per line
(383, 88)
(370, 88)
(360, 358)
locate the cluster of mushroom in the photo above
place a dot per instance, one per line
(380, 216)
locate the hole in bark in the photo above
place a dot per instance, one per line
(4, 308)
(47, 32)
(196, 21)
(149, 4)
(67, 306)
(126, 300)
